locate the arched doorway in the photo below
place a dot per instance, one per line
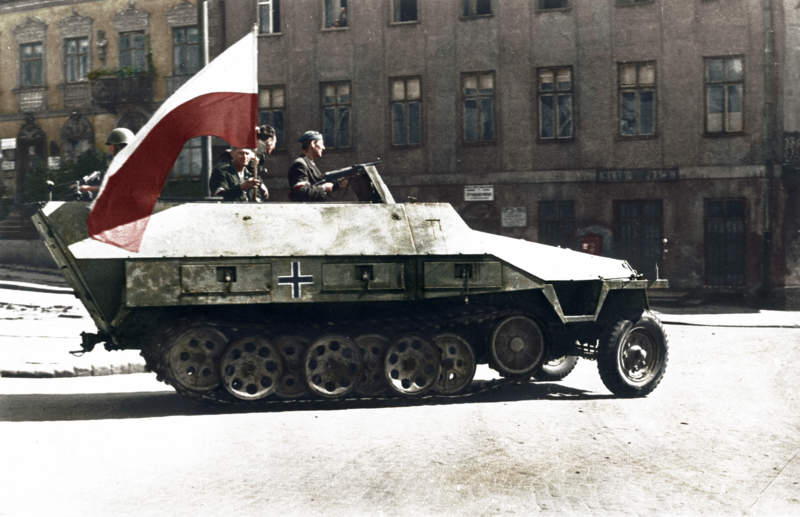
(31, 149)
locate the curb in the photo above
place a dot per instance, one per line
(94, 371)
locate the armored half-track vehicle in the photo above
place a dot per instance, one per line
(244, 303)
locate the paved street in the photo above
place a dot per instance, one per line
(719, 436)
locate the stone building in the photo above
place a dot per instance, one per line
(605, 126)
(76, 69)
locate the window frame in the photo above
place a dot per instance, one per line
(32, 63)
(473, 8)
(132, 34)
(539, 7)
(87, 55)
(725, 82)
(338, 9)
(555, 93)
(185, 46)
(275, 6)
(395, 10)
(271, 109)
(191, 147)
(495, 115)
(405, 103)
(336, 104)
(638, 88)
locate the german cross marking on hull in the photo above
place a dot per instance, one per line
(295, 280)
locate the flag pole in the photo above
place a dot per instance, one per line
(205, 141)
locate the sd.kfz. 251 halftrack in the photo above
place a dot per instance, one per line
(244, 303)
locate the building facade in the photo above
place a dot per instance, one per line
(76, 69)
(603, 126)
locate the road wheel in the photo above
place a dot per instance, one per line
(556, 368)
(373, 379)
(632, 354)
(517, 346)
(251, 368)
(458, 364)
(412, 364)
(292, 349)
(333, 366)
(193, 355)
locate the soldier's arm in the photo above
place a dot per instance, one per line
(221, 186)
(302, 190)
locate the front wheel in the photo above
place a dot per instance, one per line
(632, 354)
(556, 368)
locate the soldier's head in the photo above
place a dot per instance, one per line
(267, 135)
(118, 139)
(312, 144)
(241, 157)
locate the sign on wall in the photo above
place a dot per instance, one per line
(478, 192)
(514, 217)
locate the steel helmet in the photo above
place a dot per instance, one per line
(119, 136)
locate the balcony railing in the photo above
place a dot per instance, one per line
(31, 98)
(111, 91)
(76, 95)
(175, 82)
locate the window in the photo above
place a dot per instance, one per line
(637, 98)
(335, 14)
(724, 89)
(32, 64)
(555, 103)
(724, 242)
(477, 8)
(269, 16)
(76, 59)
(131, 50)
(189, 162)
(405, 11)
(406, 111)
(336, 114)
(553, 4)
(557, 224)
(186, 50)
(478, 93)
(271, 112)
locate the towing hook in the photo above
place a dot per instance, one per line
(88, 341)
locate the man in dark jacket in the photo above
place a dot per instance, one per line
(228, 178)
(303, 173)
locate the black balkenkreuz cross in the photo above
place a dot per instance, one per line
(295, 280)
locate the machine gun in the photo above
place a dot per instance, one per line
(347, 172)
(74, 193)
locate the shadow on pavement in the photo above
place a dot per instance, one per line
(106, 406)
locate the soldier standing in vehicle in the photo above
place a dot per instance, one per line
(266, 144)
(303, 173)
(228, 177)
(116, 142)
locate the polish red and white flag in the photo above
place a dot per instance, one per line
(220, 100)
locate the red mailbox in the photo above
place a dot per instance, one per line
(592, 244)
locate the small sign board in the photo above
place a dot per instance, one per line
(478, 192)
(8, 143)
(8, 165)
(53, 162)
(514, 217)
(639, 175)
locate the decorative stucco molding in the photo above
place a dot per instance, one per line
(131, 20)
(31, 30)
(182, 15)
(76, 26)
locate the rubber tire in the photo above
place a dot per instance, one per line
(557, 372)
(614, 338)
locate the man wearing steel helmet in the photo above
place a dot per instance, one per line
(303, 173)
(116, 142)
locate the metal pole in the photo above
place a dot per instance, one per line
(205, 141)
(768, 52)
